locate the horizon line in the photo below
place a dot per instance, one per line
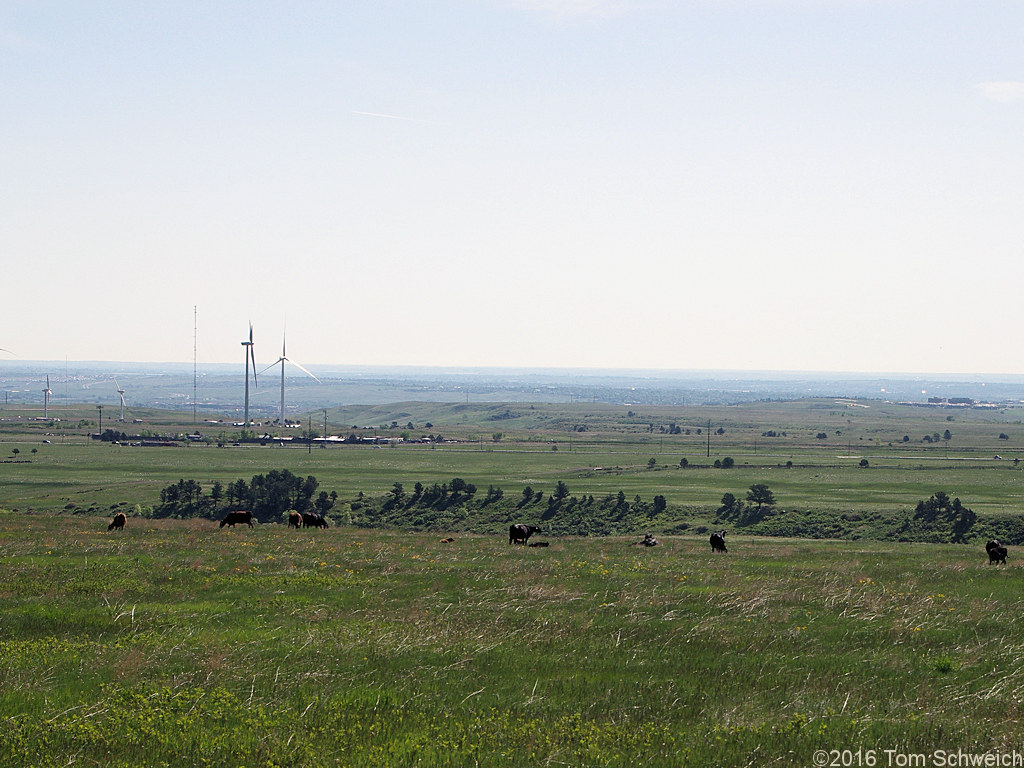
(454, 368)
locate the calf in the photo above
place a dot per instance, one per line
(237, 517)
(718, 542)
(118, 522)
(519, 533)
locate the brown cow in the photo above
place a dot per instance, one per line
(118, 522)
(294, 519)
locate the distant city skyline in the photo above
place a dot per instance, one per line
(596, 184)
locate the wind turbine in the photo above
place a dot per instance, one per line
(46, 397)
(282, 360)
(121, 393)
(249, 355)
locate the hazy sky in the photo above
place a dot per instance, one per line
(697, 184)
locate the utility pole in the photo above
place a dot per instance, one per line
(709, 438)
(309, 434)
(325, 427)
(100, 409)
(195, 326)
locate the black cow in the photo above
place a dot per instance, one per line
(118, 522)
(996, 552)
(294, 519)
(313, 520)
(649, 540)
(237, 517)
(519, 533)
(718, 542)
(539, 544)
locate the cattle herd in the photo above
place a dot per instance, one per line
(306, 520)
(518, 533)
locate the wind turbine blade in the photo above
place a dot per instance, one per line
(252, 355)
(271, 365)
(303, 370)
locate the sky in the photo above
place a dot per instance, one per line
(806, 185)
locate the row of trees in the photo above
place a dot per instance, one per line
(269, 497)
(457, 505)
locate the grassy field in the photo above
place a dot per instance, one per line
(808, 452)
(177, 643)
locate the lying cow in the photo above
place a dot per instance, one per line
(294, 519)
(649, 540)
(118, 522)
(996, 552)
(519, 533)
(538, 544)
(718, 542)
(237, 517)
(313, 520)
(447, 540)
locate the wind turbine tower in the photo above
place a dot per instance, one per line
(282, 360)
(46, 398)
(121, 393)
(249, 355)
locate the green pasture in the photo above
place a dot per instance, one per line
(178, 643)
(514, 445)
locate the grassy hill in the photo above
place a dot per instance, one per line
(175, 642)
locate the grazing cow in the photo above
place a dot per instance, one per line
(718, 542)
(313, 520)
(649, 540)
(294, 519)
(538, 544)
(519, 533)
(448, 540)
(237, 517)
(118, 522)
(996, 552)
